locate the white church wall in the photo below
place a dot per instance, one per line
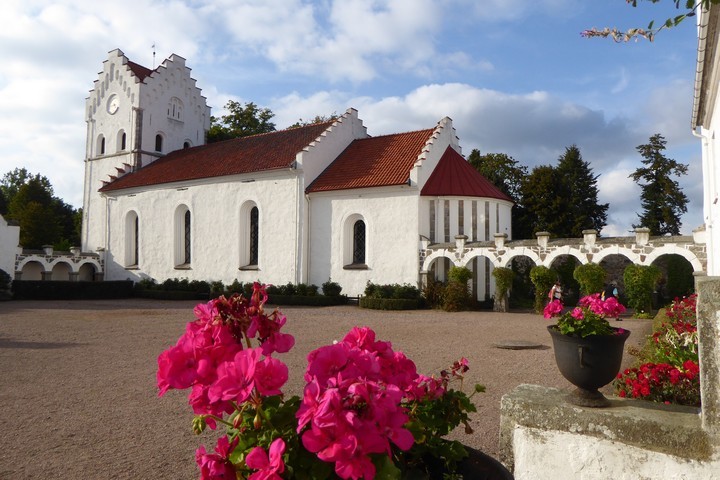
(217, 230)
(9, 246)
(391, 219)
(711, 189)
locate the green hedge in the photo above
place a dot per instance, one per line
(310, 301)
(67, 290)
(171, 295)
(389, 303)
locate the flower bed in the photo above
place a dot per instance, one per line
(669, 368)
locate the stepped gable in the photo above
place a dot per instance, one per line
(268, 151)
(454, 176)
(373, 162)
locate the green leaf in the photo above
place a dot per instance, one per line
(385, 468)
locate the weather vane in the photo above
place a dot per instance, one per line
(153, 49)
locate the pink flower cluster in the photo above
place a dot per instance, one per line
(605, 308)
(215, 359)
(352, 404)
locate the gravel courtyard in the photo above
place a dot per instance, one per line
(78, 393)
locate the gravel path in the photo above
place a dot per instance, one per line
(78, 393)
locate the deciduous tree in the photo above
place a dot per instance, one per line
(241, 121)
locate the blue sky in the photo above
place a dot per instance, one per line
(515, 77)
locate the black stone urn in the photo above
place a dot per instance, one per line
(588, 363)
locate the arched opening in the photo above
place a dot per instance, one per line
(158, 143)
(32, 271)
(677, 280)
(121, 141)
(482, 287)
(355, 254)
(86, 273)
(522, 295)
(615, 266)
(101, 145)
(565, 266)
(61, 271)
(249, 236)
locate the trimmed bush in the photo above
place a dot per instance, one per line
(172, 295)
(543, 278)
(640, 283)
(590, 277)
(308, 300)
(331, 289)
(503, 284)
(389, 303)
(66, 290)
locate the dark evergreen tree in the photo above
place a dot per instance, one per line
(542, 203)
(662, 200)
(581, 210)
(241, 121)
(33, 207)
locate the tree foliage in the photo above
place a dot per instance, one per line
(662, 200)
(318, 119)
(43, 218)
(563, 199)
(241, 121)
(691, 8)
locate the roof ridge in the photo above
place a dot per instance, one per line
(328, 130)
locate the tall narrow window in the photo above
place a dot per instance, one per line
(158, 143)
(136, 247)
(359, 242)
(187, 237)
(101, 145)
(254, 235)
(132, 239)
(123, 141)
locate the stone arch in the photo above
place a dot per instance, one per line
(616, 250)
(672, 249)
(522, 294)
(565, 251)
(481, 262)
(430, 265)
(31, 269)
(505, 259)
(86, 271)
(677, 277)
(434, 256)
(61, 271)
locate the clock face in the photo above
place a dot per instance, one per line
(113, 104)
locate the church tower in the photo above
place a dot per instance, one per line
(134, 116)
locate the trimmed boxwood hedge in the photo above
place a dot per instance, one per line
(389, 303)
(171, 295)
(67, 290)
(311, 301)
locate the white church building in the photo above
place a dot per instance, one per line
(303, 205)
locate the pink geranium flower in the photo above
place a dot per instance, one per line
(552, 309)
(217, 466)
(270, 375)
(268, 466)
(236, 379)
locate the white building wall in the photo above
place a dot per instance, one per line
(711, 180)
(9, 246)
(391, 222)
(216, 226)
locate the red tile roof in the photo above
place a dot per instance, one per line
(454, 176)
(139, 71)
(268, 151)
(373, 162)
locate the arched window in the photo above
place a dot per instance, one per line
(186, 224)
(186, 145)
(175, 109)
(254, 235)
(101, 145)
(359, 242)
(158, 143)
(132, 239)
(355, 242)
(183, 237)
(121, 141)
(249, 236)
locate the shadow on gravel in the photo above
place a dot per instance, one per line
(9, 343)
